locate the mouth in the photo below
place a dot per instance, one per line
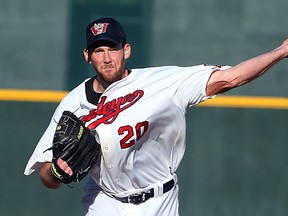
(107, 67)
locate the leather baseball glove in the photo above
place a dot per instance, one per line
(76, 146)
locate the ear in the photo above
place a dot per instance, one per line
(127, 51)
(87, 56)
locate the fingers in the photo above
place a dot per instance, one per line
(64, 166)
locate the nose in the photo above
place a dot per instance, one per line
(107, 58)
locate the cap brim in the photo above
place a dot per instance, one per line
(103, 41)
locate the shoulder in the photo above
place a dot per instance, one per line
(173, 71)
(153, 69)
(74, 98)
(161, 71)
(174, 68)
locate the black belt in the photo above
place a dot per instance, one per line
(144, 196)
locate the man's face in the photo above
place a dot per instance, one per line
(109, 61)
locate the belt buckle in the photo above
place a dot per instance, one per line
(138, 198)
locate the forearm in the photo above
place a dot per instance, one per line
(47, 178)
(255, 67)
(246, 71)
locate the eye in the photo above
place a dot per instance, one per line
(113, 50)
(98, 51)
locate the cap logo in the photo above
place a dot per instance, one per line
(99, 28)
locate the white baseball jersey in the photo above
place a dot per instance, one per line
(140, 124)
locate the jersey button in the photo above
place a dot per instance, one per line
(106, 148)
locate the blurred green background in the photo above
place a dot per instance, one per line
(236, 159)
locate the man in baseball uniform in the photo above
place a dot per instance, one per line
(138, 117)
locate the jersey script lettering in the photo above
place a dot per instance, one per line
(107, 112)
